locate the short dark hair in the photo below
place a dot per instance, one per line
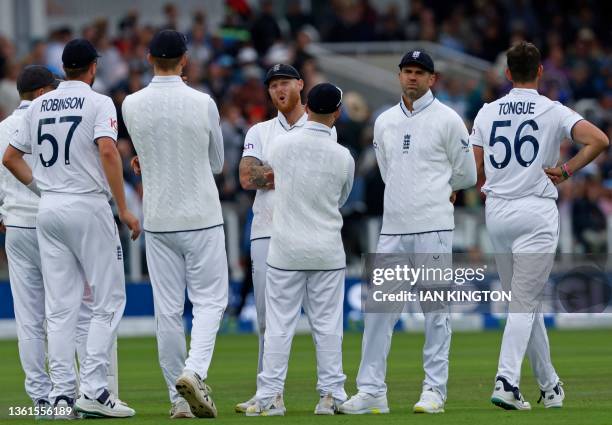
(523, 62)
(74, 73)
(166, 64)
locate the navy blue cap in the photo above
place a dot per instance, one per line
(281, 70)
(324, 98)
(168, 44)
(420, 58)
(79, 53)
(34, 77)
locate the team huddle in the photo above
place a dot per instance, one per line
(61, 169)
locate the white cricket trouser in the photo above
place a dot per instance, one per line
(378, 327)
(524, 233)
(79, 242)
(29, 301)
(259, 255)
(194, 260)
(321, 293)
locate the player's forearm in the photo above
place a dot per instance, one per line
(17, 166)
(252, 175)
(113, 169)
(585, 156)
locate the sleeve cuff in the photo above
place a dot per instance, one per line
(20, 148)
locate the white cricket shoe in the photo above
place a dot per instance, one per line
(430, 402)
(191, 388)
(507, 396)
(553, 398)
(105, 405)
(274, 406)
(180, 410)
(327, 405)
(362, 403)
(64, 409)
(242, 407)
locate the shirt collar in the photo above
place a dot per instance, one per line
(25, 104)
(315, 126)
(285, 123)
(520, 91)
(418, 105)
(167, 79)
(73, 84)
(22, 108)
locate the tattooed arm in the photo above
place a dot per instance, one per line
(255, 175)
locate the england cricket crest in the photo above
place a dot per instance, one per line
(406, 143)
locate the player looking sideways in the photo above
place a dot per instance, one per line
(424, 156)
(71, 133)
(516, 145)
(176, 133)
(284, 86)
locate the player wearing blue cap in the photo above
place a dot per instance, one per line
(423, 155)
(71, 133)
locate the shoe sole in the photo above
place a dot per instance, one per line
(424, 410)
(366, 412)
(239, 409)
(504, 404)
(275, 412)
(204, 408)
(99, 414)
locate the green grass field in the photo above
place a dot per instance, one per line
(583, 360)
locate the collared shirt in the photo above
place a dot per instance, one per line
(418, 105)
(313, 177)
(257, 144)
(176, 133)
(19, 204)
(423, 156)
(521, 134)
(60, 129)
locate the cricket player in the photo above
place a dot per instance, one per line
(313, 176)
(71, 134)
(284, 86)
(516, 145)
(19, 208)
(423, 155)
(175, 130)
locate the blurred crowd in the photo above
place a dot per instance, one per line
(229, 63)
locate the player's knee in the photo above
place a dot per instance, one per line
(28, 331)
(169, 322)
(328, 342)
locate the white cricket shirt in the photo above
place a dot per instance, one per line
(521, 134)
(423, 156)
(175, 131)
(19, 204)
(313, 176)
(60, 129)
(257, 143)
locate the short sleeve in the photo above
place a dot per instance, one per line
(567, 120)
(252, 143)
(476, 138)
(105, 124)
(20, 139)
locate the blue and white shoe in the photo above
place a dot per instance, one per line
(43, 410)
(274, 406)
(106, 405)
(507, 396)
(553, 398)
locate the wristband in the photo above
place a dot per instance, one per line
(565, 171)
(34, 188)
